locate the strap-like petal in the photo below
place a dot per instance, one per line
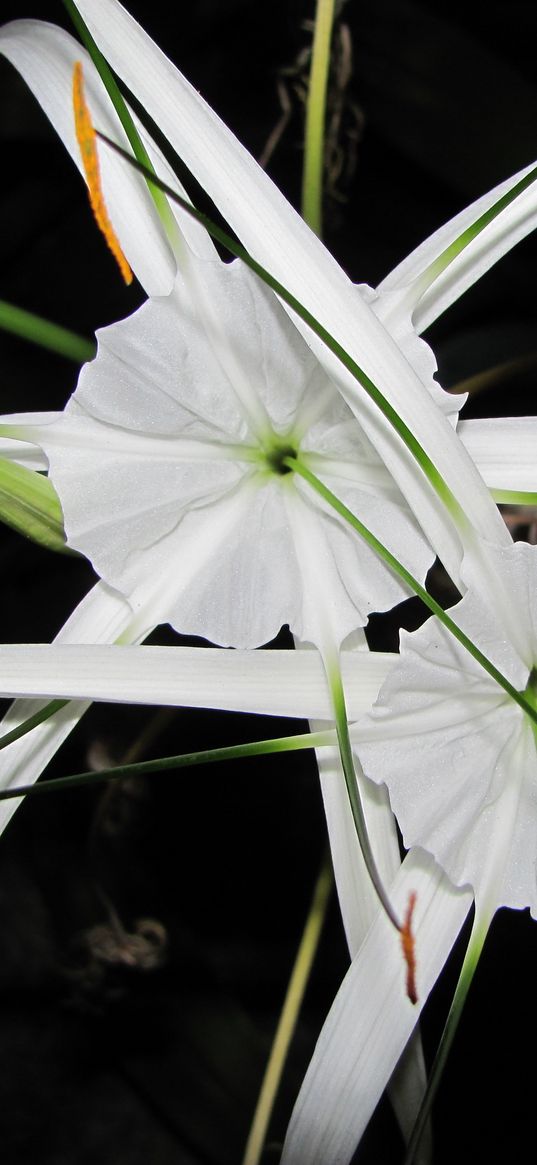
(512, 224)
(371, 1018)
(276, 683)
(504, 450)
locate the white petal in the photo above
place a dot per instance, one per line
(371, 1019)
(357, 898)
(504, 450)
(275, 683)
(507, 584)
(279, 238)
(45, 56)
(341, 579)
(507, 229)
(213, 575)
(225, 354)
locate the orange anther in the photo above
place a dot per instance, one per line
(409, 949)
(85, 136)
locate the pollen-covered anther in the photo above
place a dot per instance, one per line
(408, 944)
(86, 138)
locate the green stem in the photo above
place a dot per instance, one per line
(404, 574)
(126, 119)
(312, 176)
(290, 1011)
(475, 947)
(27, 726)
(333, 674)
(163, 764)
(39, 331)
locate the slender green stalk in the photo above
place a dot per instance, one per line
(290, 1012)
(333, 674)
(475, 947)
(27, 726)
(404, 574)
(47, 335)
(163, 764)
(314, 140)
(407, 436)
(126, 119)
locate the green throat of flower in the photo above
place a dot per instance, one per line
(278, 455)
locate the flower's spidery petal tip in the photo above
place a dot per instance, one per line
(86, 138)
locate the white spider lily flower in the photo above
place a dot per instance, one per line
(468, 794)
(167, 464)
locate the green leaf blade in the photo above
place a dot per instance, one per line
(30, 505)
(45, 334)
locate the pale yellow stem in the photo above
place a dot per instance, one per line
(289, 1014)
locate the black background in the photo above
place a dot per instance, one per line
(126, 1065)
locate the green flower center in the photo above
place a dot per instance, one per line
(276, 455)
